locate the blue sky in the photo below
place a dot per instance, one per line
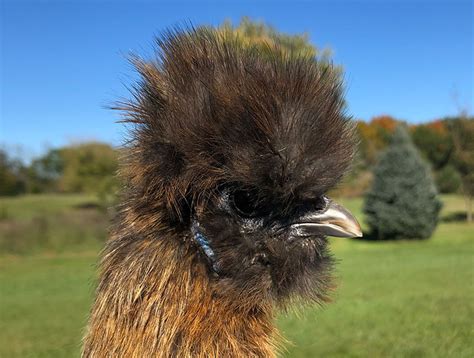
(63, 62)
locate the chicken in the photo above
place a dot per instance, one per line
(224, 215)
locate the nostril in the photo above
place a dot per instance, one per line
(320, 203)
(300, 209)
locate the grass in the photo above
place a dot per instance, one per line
(52, 223)
(395, 299)
(30, 206)
(44, 304)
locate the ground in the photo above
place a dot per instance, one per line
(394, 299)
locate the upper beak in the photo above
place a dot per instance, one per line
(334, 221)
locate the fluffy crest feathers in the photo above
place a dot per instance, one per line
(208, 111)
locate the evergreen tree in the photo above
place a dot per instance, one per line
(403, 202)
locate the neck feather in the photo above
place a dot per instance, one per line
(156, 298)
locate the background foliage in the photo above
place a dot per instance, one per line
(267, 39)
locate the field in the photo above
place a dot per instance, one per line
(395, 299)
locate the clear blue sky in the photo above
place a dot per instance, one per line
(62, 62)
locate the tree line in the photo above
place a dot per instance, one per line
(446, 144)
(89, 167)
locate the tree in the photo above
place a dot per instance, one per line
(45, 172)
(462, 130)
(267, 39)
(87, 167)
(374, 137)
(448, 179)
(11, 179)
(402, 202)
(435, 142)
(257, 33)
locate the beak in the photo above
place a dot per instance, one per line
(334, 221)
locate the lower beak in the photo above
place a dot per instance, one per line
(334, 221)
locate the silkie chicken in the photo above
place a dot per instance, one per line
(224, 216)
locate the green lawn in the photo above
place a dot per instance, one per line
(395, 299)
(30, 206)
(36, 224)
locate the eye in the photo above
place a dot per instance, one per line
(246, 202)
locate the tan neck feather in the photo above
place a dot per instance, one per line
(155, 299)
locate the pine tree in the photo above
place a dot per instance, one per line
(402, 202)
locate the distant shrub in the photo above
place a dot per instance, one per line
(462, 130)
(108, 193)
(11, 175)
(434, 142)
(86, 167)
(402, 202)
(448, 180)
